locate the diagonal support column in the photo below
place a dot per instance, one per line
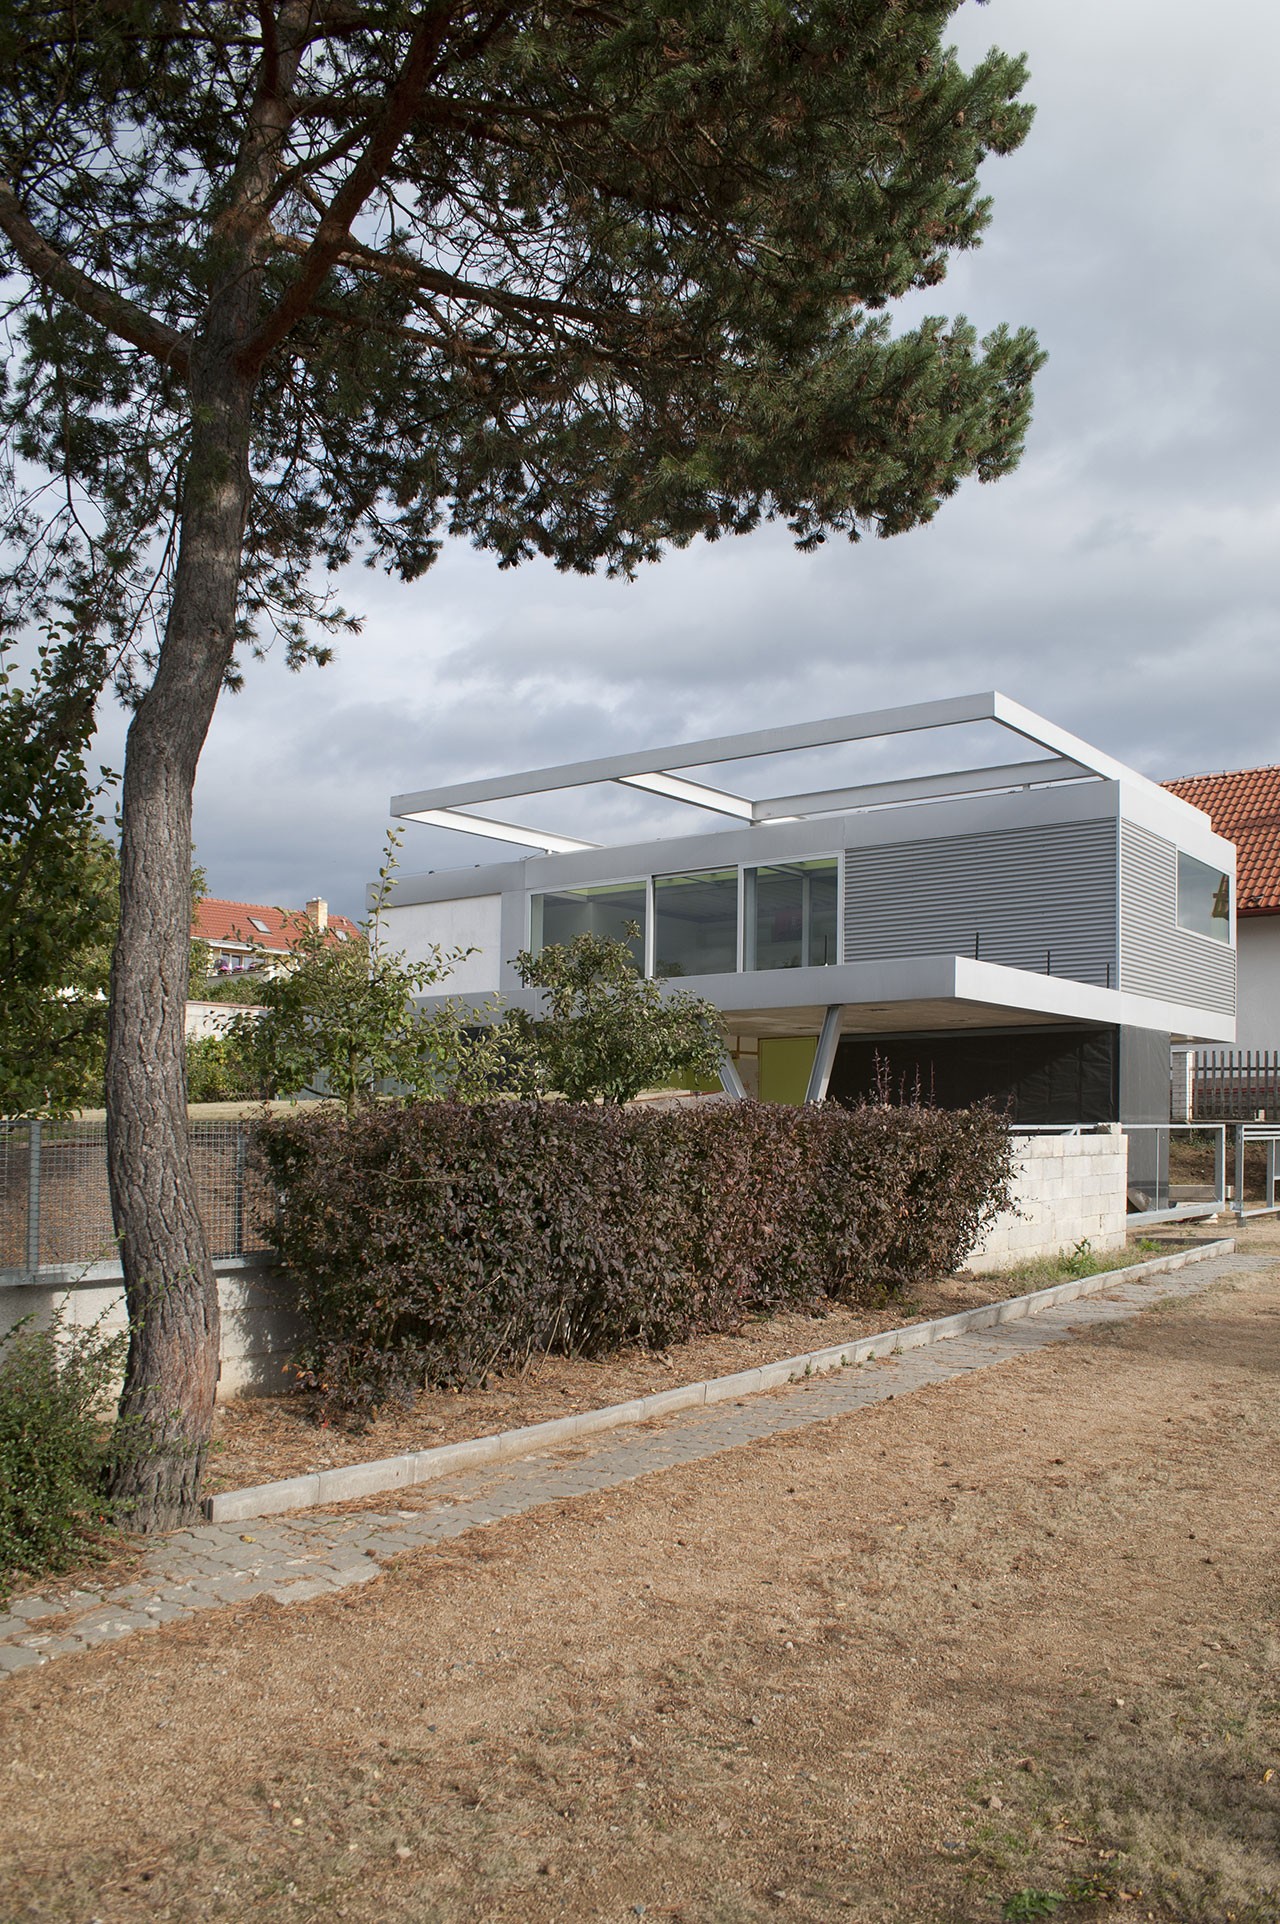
(824, 1059)
(730, 1081)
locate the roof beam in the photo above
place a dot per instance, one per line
(498, 831)
(1046, 734)
(696, 793)
(722, 748)
(960, 781)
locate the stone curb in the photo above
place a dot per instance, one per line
(355, 1480)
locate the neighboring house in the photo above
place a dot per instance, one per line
(1036, 931)
(251, 937)
(1244, 806)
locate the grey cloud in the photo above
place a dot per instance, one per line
(1123, 581)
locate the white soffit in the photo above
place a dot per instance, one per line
(1066, 759)
(696, 793)
(498, 831)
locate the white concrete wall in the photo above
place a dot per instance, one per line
(214, 1018)
(1068, 1189)
(260, 1327)
(474, 922)
(1258, 982)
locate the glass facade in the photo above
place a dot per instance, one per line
(615, 910)
(1204, 899)
(695, 923)
(790, 919)
(791, 915)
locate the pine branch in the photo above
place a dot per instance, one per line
(333, 232)
(354, 254)
(51, 269)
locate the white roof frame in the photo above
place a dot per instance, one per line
(1068, 759)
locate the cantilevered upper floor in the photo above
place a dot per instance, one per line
(1054, 887)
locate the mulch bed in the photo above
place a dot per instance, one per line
(258, 1439)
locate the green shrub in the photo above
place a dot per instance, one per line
(217, 1071)
(55, 1391)
(606, 1031)
(242, 988)
(432, 1243)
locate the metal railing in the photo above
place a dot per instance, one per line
(55, 1210)
(1192, 1170)
(1202, 1169)
(1259, 1143)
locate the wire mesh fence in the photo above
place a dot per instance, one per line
(55, 1209)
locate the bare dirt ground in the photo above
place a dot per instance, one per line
(259, 1438)
(1005, 1647)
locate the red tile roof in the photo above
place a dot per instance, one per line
(1244, 806)
(224, 922)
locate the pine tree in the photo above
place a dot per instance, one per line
(313, 278)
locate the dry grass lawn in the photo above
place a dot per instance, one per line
(1006, 1647)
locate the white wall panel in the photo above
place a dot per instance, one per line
(475, 922)
(1258, 995)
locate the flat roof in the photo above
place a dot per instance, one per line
(1063, 758)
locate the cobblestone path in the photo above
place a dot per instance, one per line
(296, 1558)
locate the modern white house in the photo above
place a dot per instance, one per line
(1036, 929)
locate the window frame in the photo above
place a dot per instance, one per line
(648, 883)
(677, 874)
(644, 882)
(1224, 875)
(797, 861)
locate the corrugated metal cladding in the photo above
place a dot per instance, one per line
(1156, 956)
(1044, 895)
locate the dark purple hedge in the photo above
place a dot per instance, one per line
(433, 1243)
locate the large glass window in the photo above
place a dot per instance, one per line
(695, 923)
(614, 910)
(1204, 899)
(791, 915)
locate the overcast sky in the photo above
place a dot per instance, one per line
(1123, 582)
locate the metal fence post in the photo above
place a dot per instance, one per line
(1239, 1172)
(33, 1196)
(237, 1221)
(1220, 1165)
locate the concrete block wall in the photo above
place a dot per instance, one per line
(1068, 1189)
(260, 1325)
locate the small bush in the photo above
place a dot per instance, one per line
(217, 1071)
(605, 1030)
(54, 1386)
(433, 1243)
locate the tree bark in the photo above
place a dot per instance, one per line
(166, 1411)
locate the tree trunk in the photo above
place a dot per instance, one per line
(166, 1411)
